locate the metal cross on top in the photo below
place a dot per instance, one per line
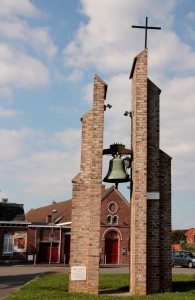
(146, 29)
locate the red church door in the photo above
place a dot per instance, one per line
(111, 248)
(44, 252)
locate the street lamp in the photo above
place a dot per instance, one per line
(51, 234)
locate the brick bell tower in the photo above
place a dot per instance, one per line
(150, 258)
(150, 249)
(86, 199)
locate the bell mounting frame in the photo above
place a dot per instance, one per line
(117, 149)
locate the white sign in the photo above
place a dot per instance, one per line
(78, 273)
(30, 257)
(153, 195)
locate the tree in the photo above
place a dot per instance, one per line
(188, 246)
(178, 237)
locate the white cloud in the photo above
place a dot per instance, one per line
(8, 113)
(106, 42)
(12, 143)
(10, 8)
(39, 172)
(88, 93)
(21, 70)
(37, 37)
(178, 108)
(75, 76)
(46, 174)
(117, 126)
(167, 57)
(70, 138)
(64, 111)
(190, 15)
(7, 93)
(177, 129)
(191, 33)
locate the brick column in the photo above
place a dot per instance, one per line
(165, 223)
(86, 200)
(139, 176)
(150, 261)
(153, 188)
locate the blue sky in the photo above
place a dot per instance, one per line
(49, 53)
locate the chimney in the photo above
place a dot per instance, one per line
(48, 219)
(4, 200)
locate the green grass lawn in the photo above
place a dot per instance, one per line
(55, 286)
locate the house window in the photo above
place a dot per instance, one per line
(115, 219)
(8, 244)
(109, 219)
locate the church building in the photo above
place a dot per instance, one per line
(45, 232)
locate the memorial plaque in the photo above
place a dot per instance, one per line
(78, 273)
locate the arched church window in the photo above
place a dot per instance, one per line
(109, 219)
(115, 219)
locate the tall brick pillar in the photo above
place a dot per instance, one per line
(165, 223)
(151, 189)
(139, 129)
(86, 200)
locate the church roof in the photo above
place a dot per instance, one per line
(63, 210)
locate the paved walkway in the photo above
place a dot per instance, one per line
(13, 277)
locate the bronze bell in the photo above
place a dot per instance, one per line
(116, 172)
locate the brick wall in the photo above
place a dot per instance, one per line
(139, 177)
(15, 256)
(153, 226)
(86, 200)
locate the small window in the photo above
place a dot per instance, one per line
(8, 244)
(177, 254)
(115, 219)
(109, 220)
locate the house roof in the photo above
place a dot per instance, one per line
(64, 209)
(11, 211)
(41, 214)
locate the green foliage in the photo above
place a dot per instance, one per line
(188, 246)
(55, 286)
(178, 237)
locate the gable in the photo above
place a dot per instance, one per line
(113, 203)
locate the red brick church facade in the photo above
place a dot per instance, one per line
(114, 228)
(35, 231)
